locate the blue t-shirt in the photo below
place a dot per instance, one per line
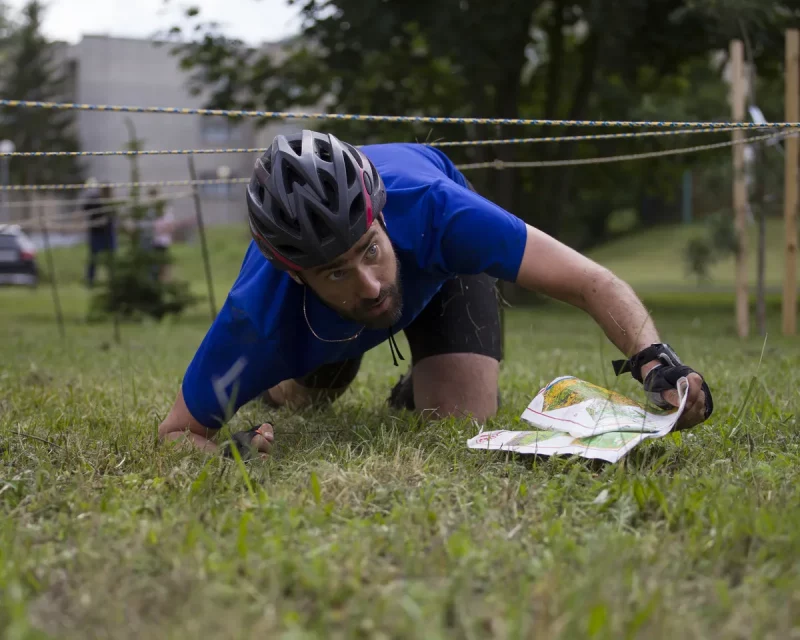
(438, 227)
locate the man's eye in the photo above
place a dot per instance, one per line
(372, 251)
(336, 275)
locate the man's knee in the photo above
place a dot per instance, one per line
(320, 387)
(457, 384)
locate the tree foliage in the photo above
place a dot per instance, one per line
(134, 289)
(598, 59)
(34, 69)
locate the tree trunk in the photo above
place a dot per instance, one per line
(560, 184)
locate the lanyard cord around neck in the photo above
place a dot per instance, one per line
(392, 341)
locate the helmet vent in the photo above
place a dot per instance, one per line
(350, 171)
(321, 230)
(330, 191)
(357, 208)
(291, 178)
(285, 217)
(323, 150)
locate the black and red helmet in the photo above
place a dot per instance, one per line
(311, 198)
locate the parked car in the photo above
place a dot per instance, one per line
(17, 257)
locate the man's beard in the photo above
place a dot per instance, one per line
(388, 318)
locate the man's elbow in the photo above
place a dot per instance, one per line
(595, 286)
(179, 422)
(170, 430)
(602, 287)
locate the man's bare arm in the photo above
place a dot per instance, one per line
(552, 268)
(181, 425)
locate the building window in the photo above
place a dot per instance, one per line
(218, 130)
(219, 191)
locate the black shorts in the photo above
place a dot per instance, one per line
(463, 317)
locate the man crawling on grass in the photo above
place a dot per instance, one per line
(351, 246)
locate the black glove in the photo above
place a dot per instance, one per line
(243, 443)
(662, 377)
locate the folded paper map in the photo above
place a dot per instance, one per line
(573, 416)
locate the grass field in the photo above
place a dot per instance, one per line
(368, 523)
(652, 260)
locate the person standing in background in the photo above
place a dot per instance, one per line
(163, 229)
(102, 232)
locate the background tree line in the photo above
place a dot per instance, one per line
(34, 68)
(584, 59)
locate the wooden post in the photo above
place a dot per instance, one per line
(739, 187)
(792, 107)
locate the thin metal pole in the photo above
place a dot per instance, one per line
(203, 244)
(5, 180)
(111, 231)
(52, 269)
(740, 189)
(790, 184)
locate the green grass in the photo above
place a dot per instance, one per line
(368, 523)
(652, 261)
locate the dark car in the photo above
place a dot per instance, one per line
(17, 257)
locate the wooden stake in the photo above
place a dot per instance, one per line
(739, 187)
(792, 107)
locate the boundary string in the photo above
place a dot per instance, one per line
(453, 143)
(299, 115)
(496, 164)
(501, 164)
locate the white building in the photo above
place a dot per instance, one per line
(138, 72)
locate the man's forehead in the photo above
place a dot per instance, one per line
(351, 253)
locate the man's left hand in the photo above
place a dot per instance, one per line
(699, 403)
(695, 410)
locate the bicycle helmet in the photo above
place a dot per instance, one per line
(310, 199)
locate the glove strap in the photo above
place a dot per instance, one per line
(662, 379)
(658, 351)
(242, 441)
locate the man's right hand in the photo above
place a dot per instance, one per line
(181, 425)
(259, 440)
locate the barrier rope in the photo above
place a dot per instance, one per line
(602, 136)
(79, 202)
(122, 217)
(502, 164)
(144, 152)
(295, 115)
(122, 185)
(121, 204)
(496, 164)
(453, 143)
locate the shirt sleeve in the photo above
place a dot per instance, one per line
(229, 369)
(473, 234)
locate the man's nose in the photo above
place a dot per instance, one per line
(370, 285)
